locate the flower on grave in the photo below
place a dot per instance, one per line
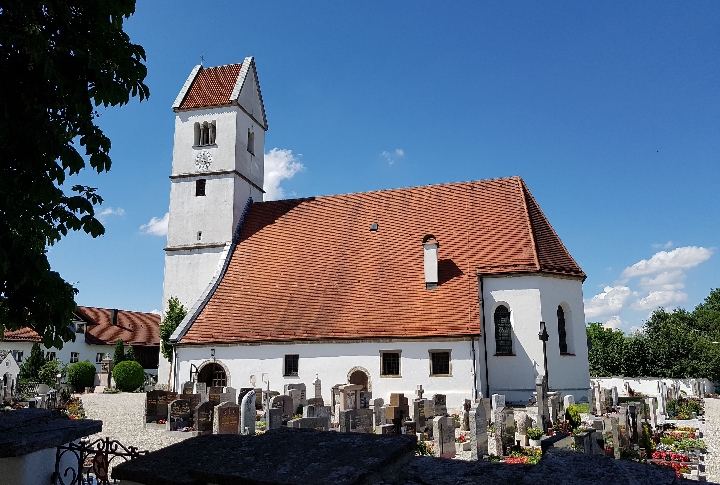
(461, 439)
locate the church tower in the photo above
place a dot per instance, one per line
(218, 164)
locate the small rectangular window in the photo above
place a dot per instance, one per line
(99, 357)
(440, 363)
(291, 364)
(74, 357)
(18, 354)
(200, 188)
(251, 142)
(50, 356)
(390, 363)
(79, 328)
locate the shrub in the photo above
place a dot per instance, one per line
(128, 375)
(573, 415)
(534, 433)
(119, 355)
(81, 375)
(49, 371)
(31, 367)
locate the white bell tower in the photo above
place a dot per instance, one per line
(218, 164)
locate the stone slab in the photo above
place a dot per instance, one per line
(274, 458)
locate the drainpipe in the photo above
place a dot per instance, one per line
(474, 365)
(484, 334)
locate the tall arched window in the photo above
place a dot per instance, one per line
(503, 331)
(251, 142)
(562, 333)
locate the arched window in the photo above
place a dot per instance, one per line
(197, 134)
(211, 139)
(562, 333)
(503, 331)
(204, 133)
(251, 142)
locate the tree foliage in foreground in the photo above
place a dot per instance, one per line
(59, 61)
(670, 344)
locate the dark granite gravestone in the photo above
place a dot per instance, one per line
(284, 403)
(365, 399)
(348, 420)
(275, 418)
(195, 400)
(320, 424)
(226, 418)
(439, 404)
(410, 427)
(363, 420)
(243, 391)
(419, 412)
(259, 403)
(180, 415)
(204, 417)
(213, 394)
(156, 405)
(187, 387)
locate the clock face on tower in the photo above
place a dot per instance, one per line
(203, 160)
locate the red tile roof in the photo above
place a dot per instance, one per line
(134, 328)
(311, 269)
(21, 335)
(212, 87)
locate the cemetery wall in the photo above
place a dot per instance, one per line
(333, 361)
(532, 299)
(649, 385)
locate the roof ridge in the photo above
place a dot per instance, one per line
(396, 189)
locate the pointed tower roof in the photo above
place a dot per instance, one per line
(228, 85)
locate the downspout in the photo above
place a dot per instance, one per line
(472, 344)
(484, 334)
(174, 367)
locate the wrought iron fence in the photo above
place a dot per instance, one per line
(90, 462)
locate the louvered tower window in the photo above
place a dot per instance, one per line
(562, 333)
(503, 331)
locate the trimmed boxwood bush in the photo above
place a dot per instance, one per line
(81, 375)
(128, 375)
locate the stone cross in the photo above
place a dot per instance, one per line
(499, 431)
(318, 387)
(247, 414)
(419, 391)
(543, 415)
(478, 432)
(615, 430)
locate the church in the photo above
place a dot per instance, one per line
(443, 286)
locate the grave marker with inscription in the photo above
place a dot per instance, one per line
(180, 415)
(226, 418)
(204, 417)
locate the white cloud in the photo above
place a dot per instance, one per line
(155, 311)
(610, 302)
(614, 322)
(279, 165)
(660, 298)
(105, 213)
(156, 227)
(392, 157)
(667, 280)
(667, 245)
(680, 258)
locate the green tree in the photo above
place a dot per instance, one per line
(119, 355)
(130, 354)
(605, 355)
(30, 370)
(49, 371)
(59, 61)
(173, 317)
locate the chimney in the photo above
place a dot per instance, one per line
(114, 317)
(430, 249)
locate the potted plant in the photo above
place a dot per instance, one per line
(535, 436)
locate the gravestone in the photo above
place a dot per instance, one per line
(378, 409)
(204, 417)
(615, 430)
(259, 402)
(274, 420)
(498, 401)
(186, 387)
(243, 392)
(554, 406)
(180, 415)
(213, 394)
(418, 413)
(614, 396)
(230, 394)
(302, 395)
(387, 429)
(410, 427)
(419, 391)
(364, 420)
(295, 395)
(348, 421)
(195, 400)
(350, 396)
(397, 411)
(308, 411)
(226, 418)
(478, 432)
(335, 401)
(316, 401)
(318, 387)
(499, 432)
(650, 402)
(247, 414)
(599, 405)
(200, 388)
(156, 403)
(444, 436)
(465, 417)
(522, 422)
(568, 401)
(543, 415)
(365, 400)
(439, 404)
(320, 424)
(284, 403)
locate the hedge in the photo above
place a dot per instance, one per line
(81, 375)
(128, 375)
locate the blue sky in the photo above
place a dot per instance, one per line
(610, 111)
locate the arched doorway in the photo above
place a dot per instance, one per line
(213, 375)
(360, 375)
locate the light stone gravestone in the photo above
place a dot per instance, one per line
(444, 436)
(522, 422)
(568, 401)
(301, 396)
(498, 401)
(614, 395)
(478, 432)
(350, 396)
(418, 413)
(200, 388)
(229, 394)
(599, 405)
(284, 403)
(615, 430)
(317, 385)
(497, 438)
(377, 409)
(543, 414)
(247, 414)
(226, 418)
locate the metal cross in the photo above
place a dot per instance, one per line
(202, 59)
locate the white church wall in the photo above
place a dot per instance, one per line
(187, 274)
(223, 152)
(249, 164)
(333, 361)
(531, 299)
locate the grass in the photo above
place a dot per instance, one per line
(583, 407)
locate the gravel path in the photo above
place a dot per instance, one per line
(122, 416)
(711, 437)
